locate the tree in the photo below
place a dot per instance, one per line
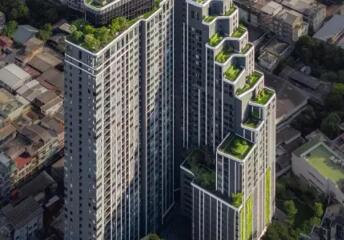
(10, 28)
(77, 36)
(237, 199)
(330, 125)
(318, 210)
(329, 76)
(45, 33)
(91, 42)
(290, 210)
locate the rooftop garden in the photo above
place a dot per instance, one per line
(250, 81)
(215, 39)
(230, 10)
(236, 199)
(208, 18)
(225, 53)
(239, 31)
(200, 164)
(236, 146)
(320, 159)
(93, 39)
(246, 48)
(252, 121)
(263, 96)
(232, 73)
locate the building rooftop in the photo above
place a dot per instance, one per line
(31, 90)
(333, 31)
(272, 8)
(22, 213)
(13, 76)
(24, 33)
(289, 16)
(52, 79)
(320, 156)
(236, 146)
(322, 159)
(37, 185)
(10, 103)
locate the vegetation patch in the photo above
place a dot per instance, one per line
(93, 39)
(246, 48)
(263, 96)
(246, 220)
(251, 80)
(252, 121)
(215, 39)
(230, 11)
(208, 18)
(201, 165)
(267, 206)
(223, 56)
(239, 31)
(236, 199)
(237, 146)
(232, 73)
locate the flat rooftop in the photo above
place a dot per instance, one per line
(322, 159)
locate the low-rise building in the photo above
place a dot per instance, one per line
(31, 148)
(24, 33)
(321, 166)
(31, 48)
(48, 102)
(11, 107)
(6, 166)
(314, 13)
(289, 26)
(332, 31)
(13, 77)
(22, 221)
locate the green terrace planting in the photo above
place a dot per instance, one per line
(199, 163)
(232, 73)
(225, 53)
(239, 31)
(267, 195)
(251, 80)
(246, 48)
(236, 199)
(236, 146)
(208, 18)
(215, 39)
(263, 96)
(252, 121)
(94, 39)
(230, 11)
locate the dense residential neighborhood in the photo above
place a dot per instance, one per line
(185, 119)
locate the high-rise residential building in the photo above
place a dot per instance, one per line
(227, 181)
(119, 157)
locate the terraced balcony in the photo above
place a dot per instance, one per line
(239, 31)
(247, 47)
(215, 39)
(232, 73)
(208, 19)
(223, 56)
(236, 146)
(252, 121)
(263, 96)
(230, 11)
(251, 80)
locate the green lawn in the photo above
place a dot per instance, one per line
(209, 18)
(319, 158)
(239, 31)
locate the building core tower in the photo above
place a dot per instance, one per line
(118, 105)
(228, 179)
